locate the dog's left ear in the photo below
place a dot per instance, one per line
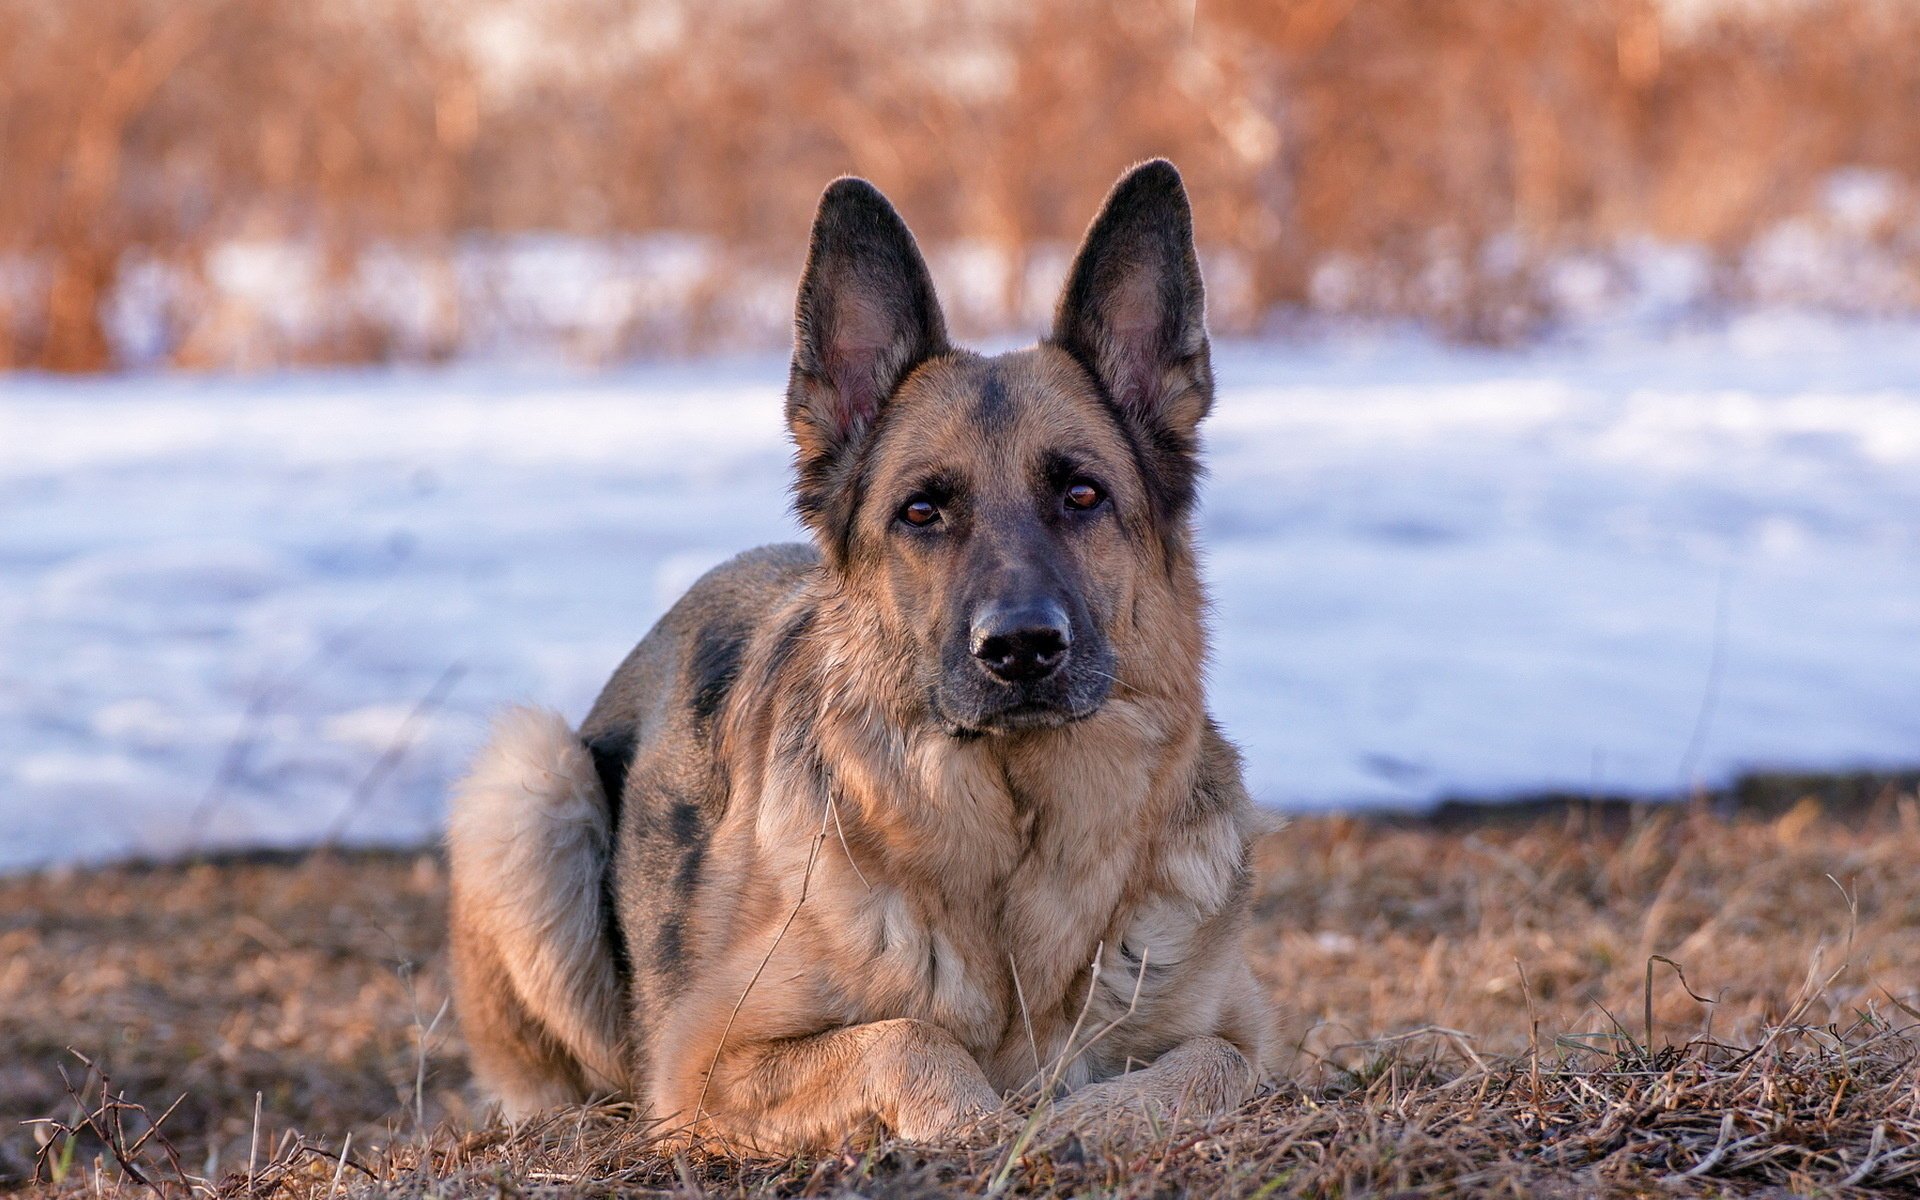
(1134, 313)
(865, 318)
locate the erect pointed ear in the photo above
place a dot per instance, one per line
(1134, 313)
(866, 316)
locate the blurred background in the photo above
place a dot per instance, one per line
(258, 182)
(374, 363)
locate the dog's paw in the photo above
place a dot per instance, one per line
(1103, 1112)
(967, 1115)
(1192, 1085)
(1002, 1124)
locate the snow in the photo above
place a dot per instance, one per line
(278, 609)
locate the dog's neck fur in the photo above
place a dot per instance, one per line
(1026, 850)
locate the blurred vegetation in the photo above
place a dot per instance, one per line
(1443, 154)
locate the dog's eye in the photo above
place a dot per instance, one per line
(919, 511)
(1083, 496)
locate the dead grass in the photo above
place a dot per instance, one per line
(1492, 1006)
(1427, 159)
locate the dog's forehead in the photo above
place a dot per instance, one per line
(1007, 407)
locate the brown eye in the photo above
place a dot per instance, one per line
(919, 512)
(1084, 496)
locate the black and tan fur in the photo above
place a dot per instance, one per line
(826, 853)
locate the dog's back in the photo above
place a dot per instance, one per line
(545, 823)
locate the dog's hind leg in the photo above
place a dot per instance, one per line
(517, 1062)
(529, 834)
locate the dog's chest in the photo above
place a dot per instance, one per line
(995, 939)
(980, 964)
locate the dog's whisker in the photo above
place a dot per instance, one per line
(1116, 681)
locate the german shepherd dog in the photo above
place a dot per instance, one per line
(886, 829)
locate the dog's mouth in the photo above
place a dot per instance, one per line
(1025, 716)
(966, 701)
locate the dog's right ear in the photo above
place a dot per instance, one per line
(865, 318)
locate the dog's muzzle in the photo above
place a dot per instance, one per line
(1021, 644)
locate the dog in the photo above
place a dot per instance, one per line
(885, 830)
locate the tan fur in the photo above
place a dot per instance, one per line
(974, 861)
(877, 915)
(528, 838)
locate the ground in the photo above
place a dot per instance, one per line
(1481, 1002)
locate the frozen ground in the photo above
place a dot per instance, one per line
(277, 609)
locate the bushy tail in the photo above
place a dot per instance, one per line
(529, 835)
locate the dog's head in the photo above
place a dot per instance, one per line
(1003, 515)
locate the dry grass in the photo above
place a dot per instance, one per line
(1484, 1004)
(1442, 154)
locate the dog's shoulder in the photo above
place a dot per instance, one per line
(654, 723)
(682, 671)
(654, 736)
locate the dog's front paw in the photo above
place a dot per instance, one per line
(1101, 1112)
(1192, 1084)
(971, 1118)
(929, 1089)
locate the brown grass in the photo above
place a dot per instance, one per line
(1492, 1006)
(1446, 151)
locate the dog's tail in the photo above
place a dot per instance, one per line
(529, 837)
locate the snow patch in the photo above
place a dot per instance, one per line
(280, 608)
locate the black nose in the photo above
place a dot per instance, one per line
(1022, 643)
